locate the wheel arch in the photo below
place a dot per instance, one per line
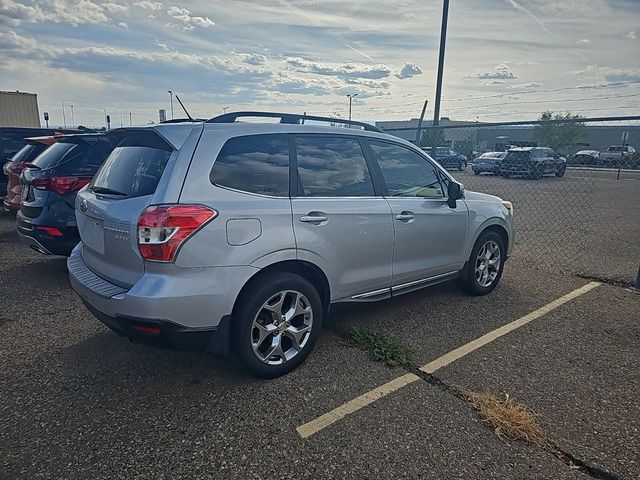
(306, 270)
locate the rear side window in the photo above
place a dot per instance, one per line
(332, 167)
(57, 153)
(28, 153)
(254, 164)
(134, 167)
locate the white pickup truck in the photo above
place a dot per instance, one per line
(615, 153)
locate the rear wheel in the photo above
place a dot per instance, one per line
(537, 172)
(476, 172)
(484, 268)
(461, 166)
(276, 324)
(561, 171)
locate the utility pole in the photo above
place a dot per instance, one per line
(73, 119)
(424, 109)
(130, 119)
(351, 97)
(171, 94)
(64, 116)
(443, 39)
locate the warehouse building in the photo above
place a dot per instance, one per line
(19, 109)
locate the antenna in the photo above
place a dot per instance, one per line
(183, 108)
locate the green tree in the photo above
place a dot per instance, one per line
(432, 137)
(558, 135)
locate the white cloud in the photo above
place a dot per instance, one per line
(345, 70)
(123, 25)
(255, 59)
(147, 5)
(60, 11)
(584, 41)
(409, 70)
(498, 75)
(186, 21)
(631, 36)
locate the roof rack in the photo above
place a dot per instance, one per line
(289, 118)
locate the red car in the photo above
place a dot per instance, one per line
(13, 168)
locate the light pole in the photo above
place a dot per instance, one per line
(351, 97)
(106, 119)
(64, 117)
(443, 39)
(73, 119)
(171, 95)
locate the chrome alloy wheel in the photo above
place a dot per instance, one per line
(487, 263)
(282, 327)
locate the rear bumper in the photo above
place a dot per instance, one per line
(485, 168)
(42, 241)
(164, 334)
(183, 302)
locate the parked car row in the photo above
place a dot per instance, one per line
(528, 162)
(236, 238)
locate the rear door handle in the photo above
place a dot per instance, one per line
(314, 217)
(405, 216)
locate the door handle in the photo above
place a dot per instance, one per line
(314, 217)
(405, 216)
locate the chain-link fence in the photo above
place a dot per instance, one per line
(574, 183)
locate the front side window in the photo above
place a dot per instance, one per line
(332, 167)
(406, 173)
(254, 164)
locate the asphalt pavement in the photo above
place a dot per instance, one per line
(80, 402)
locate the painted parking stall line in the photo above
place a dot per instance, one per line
(314, 426)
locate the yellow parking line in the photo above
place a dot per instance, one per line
(323, 421)
(467, 348)
(314, 426)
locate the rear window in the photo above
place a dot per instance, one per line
(255, 164)
(616, 149)
(56, 154)
(28, 152)
(135, 166)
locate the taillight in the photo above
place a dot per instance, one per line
(163, 229)
(61, 185)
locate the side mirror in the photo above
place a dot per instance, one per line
(455, 191)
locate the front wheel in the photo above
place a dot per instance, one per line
(561, 171)
(276, 324)
(483, 271)
(461, 166)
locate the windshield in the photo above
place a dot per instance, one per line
(616, 148)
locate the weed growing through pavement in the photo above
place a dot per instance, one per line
(508, 418)
(381, 348)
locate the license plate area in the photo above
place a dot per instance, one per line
(93, 234)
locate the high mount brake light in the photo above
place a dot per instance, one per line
(61, 185)
(162, 229)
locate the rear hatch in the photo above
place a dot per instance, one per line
(61, 170)
(107, 211)
(14, 167)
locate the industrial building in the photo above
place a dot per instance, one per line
(19, 109)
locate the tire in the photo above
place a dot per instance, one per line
(251, 311)
(468, 280)
(475, 172)
(460, 167)
(506, 175)
(561, 171)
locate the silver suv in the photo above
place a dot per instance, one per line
(237, 237)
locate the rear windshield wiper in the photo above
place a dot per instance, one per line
(107, 191)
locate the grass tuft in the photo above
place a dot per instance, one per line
(381, 348)
(508, 418)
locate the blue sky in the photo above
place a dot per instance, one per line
(506, 59)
